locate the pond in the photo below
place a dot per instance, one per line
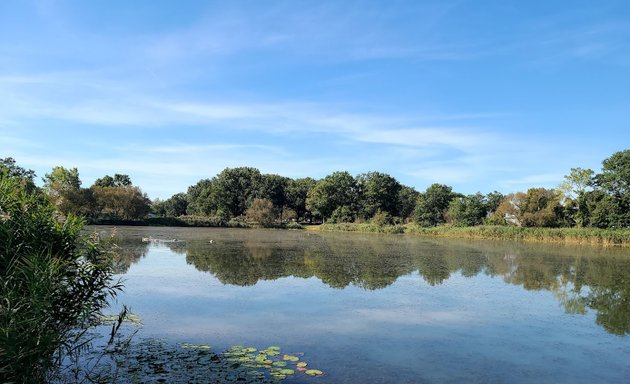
(366, 308)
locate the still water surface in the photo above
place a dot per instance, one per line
(388, 308)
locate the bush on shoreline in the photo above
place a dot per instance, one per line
(54, 284)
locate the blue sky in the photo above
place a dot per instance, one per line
(479, 95)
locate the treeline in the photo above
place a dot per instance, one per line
(108, 198)
(244, 194)
(584, 199)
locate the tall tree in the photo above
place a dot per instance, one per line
(175, 205)
(493, 199)
(296, 193)
(124, 202)
(615, 181)
(9, 168)
(236, 188)
(335, 192)
(576, 182)
(62, 178)
(407, 198)
(540, 207)
(63, 187)
(119, 180)
(378, 192)
(201, 198)
(615, 176)
(468, 210)
(432, 204)
(599, 209)
(105, 181)
(273, 188)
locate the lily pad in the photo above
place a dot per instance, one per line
(190, 345)
(301, 364)
(314, 372)
(290, 358)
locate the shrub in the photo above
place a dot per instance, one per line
(54, 284)
(342, 214)
(262, 212)
(382, 218)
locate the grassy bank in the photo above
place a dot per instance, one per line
(592, 236)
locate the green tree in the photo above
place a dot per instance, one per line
(296, 193)
(273, 188)
(157, 207)
(432, 205)
(63, 187)
(105, 181)
(598, 209)
(540, 207)
(123, 202)
(378, 192)
(615, 176)
(61, 178)
(576, 182)
(9, 168)
(236, 188)
(176, 205)
(118, 180)
(202, 198)
(80, 202)
(615, 181)
(468, 210)
(493, 199)
(407, 198)
(337, 191)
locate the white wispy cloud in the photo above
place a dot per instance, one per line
(425, 137)
(537, 180)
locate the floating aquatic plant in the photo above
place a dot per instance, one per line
(313, 372)
(129, 318)
(153, 361)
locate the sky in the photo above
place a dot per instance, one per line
(479, 95)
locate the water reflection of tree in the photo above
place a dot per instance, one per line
(577, 279)
(579, 282)
(128, 252)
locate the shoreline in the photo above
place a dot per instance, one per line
(576, 236)
(619, 238)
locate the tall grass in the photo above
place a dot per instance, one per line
(363, 227)
(54, 284)
(593, 236)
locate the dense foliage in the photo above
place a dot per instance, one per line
(583, 199)
(54, 282)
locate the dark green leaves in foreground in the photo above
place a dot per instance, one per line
(155, 361)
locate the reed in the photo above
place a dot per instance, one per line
(590, 236)
(54, 284)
